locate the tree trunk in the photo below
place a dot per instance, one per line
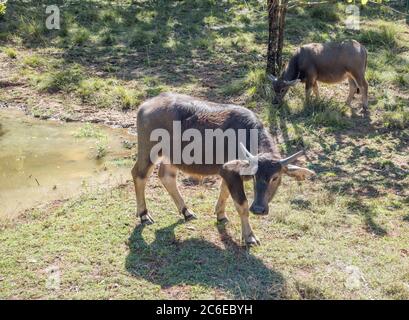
(277, 10)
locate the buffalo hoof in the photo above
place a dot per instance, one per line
(222, 221)
(189, 216)
(146, 219)
(252, 241)
(364, 111)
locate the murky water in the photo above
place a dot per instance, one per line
(41, 161)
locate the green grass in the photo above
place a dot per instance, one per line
(352, 219)
(34, 61)
(396, 119)
(384, 35)
(3, 9)
(88, 130)
(10, 52)
(60, 80)
(326, 13)
(309, 241)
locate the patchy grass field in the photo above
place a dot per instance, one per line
(344, 235)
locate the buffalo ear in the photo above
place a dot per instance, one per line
(298, 173)
(241, 167)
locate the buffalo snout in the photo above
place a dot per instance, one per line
(259, 209)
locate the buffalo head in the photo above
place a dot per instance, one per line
(281, 87)
(267, 176)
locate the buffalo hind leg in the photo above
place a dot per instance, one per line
(363, 89)
(167, 175)
(140, 174)
(353, 88)
(221, 204)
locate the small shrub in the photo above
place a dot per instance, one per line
(11, 53)
(80, 37)
(101, 147)
(258, 84)
(152, 92)
(33, 61)
(141, 38)
(384, 37)
(88, 88)
(64, 80)
(402, 79)
(126, 99)
(327, 13)
(89, 131)
(32, 30)
(396, 119)
(3, 8)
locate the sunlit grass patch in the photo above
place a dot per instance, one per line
(327, 113)
(89, 130)
(126, 98)
(396, 119)
(66, 79)
(402, 79)
(108, 93)
(3, 8)
(140, 38)
(34, 61)
(79, 36)
(254, 85)
(381, 36)
(10, 52)
(327, 13)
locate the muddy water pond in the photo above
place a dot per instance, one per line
(42, 161)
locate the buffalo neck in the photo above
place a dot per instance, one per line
(292, 71)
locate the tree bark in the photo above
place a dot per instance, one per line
(277, 10)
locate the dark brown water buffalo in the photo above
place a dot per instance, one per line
(330, 62)
(175, 115)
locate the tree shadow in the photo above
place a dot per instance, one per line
(368, 213)
(169, 263)
(172, 41)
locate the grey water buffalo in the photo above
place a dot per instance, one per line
(174, 114)
(330, 62)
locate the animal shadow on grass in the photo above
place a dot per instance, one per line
(169, 262)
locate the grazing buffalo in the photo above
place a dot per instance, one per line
(330, 62)
(176, 114)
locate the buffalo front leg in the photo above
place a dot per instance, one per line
(248, 236)
(221, 204)
(309, 86)
(316, 90)
(140, 174)
(235, 185)
(167, 175)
